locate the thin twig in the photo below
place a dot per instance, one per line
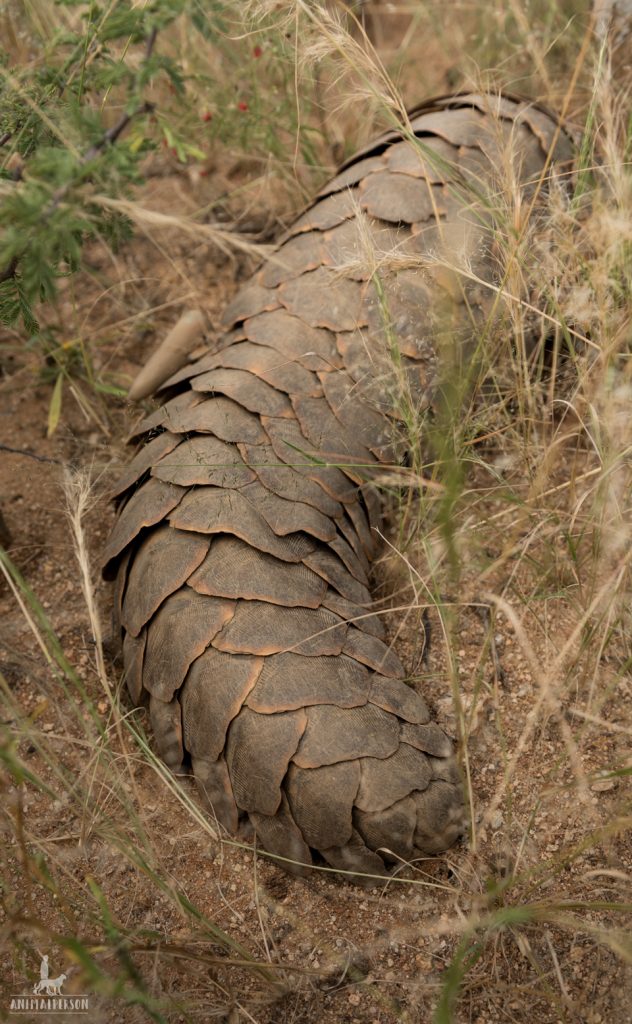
(151, 39)
(29, 454)
(9, 271)
(108, 138)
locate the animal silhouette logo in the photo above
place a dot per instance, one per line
(47, 997)
(46, 985)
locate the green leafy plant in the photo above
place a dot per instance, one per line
(63, 143)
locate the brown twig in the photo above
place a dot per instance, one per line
(9, 271)
(107, 139)
(151, 39)
(29, 454)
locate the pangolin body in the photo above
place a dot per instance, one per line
(246, 530)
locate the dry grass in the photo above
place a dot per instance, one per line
(525, 514)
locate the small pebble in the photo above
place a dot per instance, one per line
(601, 785)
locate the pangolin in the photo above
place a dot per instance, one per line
(247, 519)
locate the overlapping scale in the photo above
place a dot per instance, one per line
(247, 521)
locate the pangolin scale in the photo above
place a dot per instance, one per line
(247, 520)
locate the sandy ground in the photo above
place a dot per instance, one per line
(339, 953)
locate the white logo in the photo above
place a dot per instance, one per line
(48, 997)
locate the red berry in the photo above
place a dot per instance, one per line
(207, 116)
(257, 51)
(242, 105)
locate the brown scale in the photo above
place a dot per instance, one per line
(287, 479)
(281, 836)
(344, 398)
(215, 510)
(311, 347)
(248, 302)
(227, 420)
(233, 569)
(348, 531)
(181, 630)
(349, 559)
(323, 821)
(284, 517)
(204, 460)
(344, 250)
(357, 513)
(214, 692)
(257, 628)
(275, 738)
(328, 213)
(427, 737)
(247, 525)
(295, 257)
(353, 174)
(353, 613)
(145, 508)
(400, 700)
(161, 416)
(120, 587)
(432, 159)
(292, 447)
(278, 371)
(355, 858)
(325, 432)
(216, 790)
(324, 562)
(391, 831)
(166, 724)
(345, 734)
(383, 782)
(400, 199)
(373, 652)
(146, 457)
(133, 654)
(163, 563)
(437, 817)
(290, 681)
(364, 366)
(361, 255)
(322, 299)
(247, 389)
